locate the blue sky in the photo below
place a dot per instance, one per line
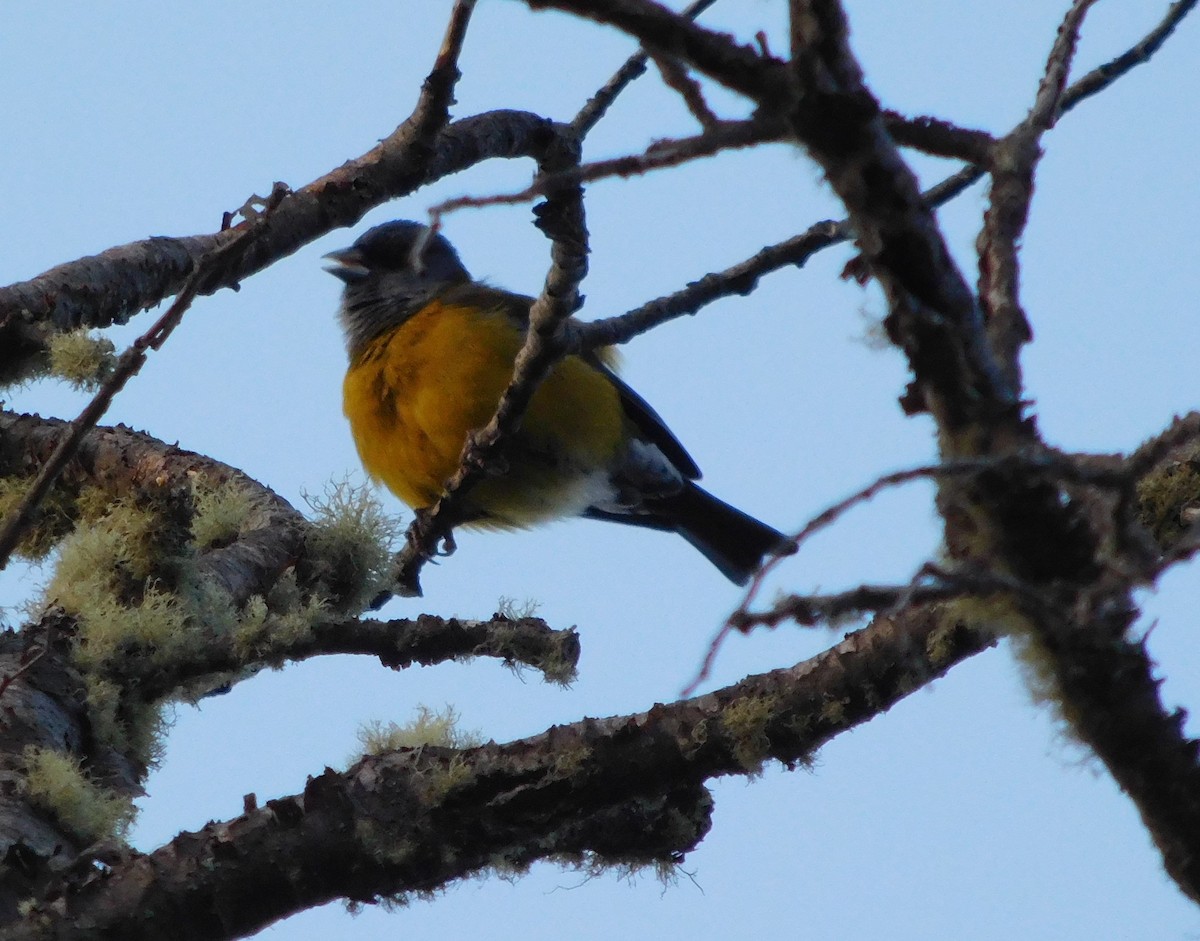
(965, 812)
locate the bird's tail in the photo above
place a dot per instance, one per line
(733, 541)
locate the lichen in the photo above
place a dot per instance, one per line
(55, 782)
(51, 521)
(1162, 497)
(129, 725)
(351, 542)
(516, 610)
(81, 359)
(105, 560)
(134, 592)
(745, 722)
(429, 727)
(221, 512)
(269, 628)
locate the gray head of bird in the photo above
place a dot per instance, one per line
(390, 273)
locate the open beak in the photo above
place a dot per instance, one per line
(347, 265)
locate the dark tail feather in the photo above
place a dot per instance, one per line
(733, 541)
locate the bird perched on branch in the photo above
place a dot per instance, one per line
(431, 352)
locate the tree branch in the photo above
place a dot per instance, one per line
(121, 461)
(399, 643)
(215, 262)
(939, 138)
(740, 68)
(621, 789)
(1012, 165)
(671, 152)
(561, 218)
(109, 288)
(635, 66)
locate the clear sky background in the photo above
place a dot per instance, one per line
(964, 812)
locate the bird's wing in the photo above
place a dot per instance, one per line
(644, 418)
(648, 421)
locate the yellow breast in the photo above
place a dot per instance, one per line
(414, 394)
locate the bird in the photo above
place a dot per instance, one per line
(431, 351)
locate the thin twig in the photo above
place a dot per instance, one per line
(675, 76)
(634, 67)
(100, 290)
(742, 278)
(726, 135)
(127, 366)
(1063, 467)
(398, 644)
(939, 137)
(1014, 160)
(561, 218)
(1104, 75)
(1046, 106)
(931, 584)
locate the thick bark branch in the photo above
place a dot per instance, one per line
(622, 789)
(111, 287)
(398, 643)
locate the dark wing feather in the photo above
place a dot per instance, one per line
(648, 421)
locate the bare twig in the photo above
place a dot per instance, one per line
(1104, 75)
(1062, 467)
(743, 69)
(1047, 103)
(738, 279)
(133, 277)
(629, 787)
(561, 217)
(1013, 162)
(742, 278)
(675, 76)
(727, 135)
(939, 137)
(127, 366)
(634, 67)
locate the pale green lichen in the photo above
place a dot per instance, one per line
(129, 725)
(133, 584)
(997, 613)
(833, 710)
(513, 610)
(107, 577)
(569, 761)
(1164, 495)
(351, 542)
(104, 559)
(81, 359)
(253, 631)
(55, 782)
(51, 520)
(940, 644)
(221, 512)
(271, 627)
(555, 664)
(429, 727)
(745, 722)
